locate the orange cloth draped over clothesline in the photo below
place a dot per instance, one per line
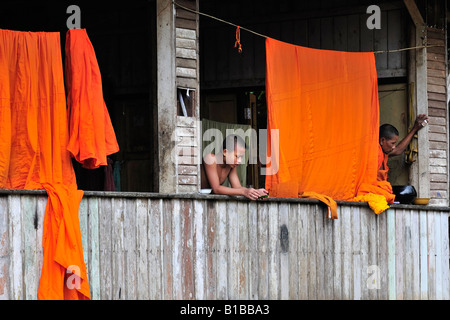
(91, 134)
(324, 105)
(33, 152)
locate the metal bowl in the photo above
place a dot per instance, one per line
(404, 194)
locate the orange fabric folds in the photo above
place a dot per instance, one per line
(324, 105)
(92, 136)
(33, 154)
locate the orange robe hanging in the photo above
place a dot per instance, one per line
(91, 134)
(382, 174)
(33, 152)
(324, 105)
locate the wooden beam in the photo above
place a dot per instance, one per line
(166, 94)
(422, 108)
(414, 12)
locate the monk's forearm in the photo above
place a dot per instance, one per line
(229, 191)
(401, 147)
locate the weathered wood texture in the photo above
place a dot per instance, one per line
(188, 154)
(186, 30)
(320, 24)
(151, 246)
(438, 114)
(187, 77)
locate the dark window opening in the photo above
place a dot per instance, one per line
(124, 40)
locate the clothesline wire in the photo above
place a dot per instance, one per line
(410, 48)
(218, 19)
(264, 36)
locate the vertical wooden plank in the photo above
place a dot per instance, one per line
(4, 249)
(383, 255)
(439, 254)
(329, 257)
(83, 219)
(211, 249)
(431, 255)
(208, 72)
(445, 255)
(326, 30)
(391, 242)
(222, 57)
(407, 256)
(200, 247)
(394, 38)
(312, 252)
(353, 33)
(40, 214)
(347, 273)
(106, 248)
(31, 276)
(366, 35)
(286, 31)
(273, 236)
(368, 236)
(294, 256)
(94, 248)
(118, 257)
(380, 44)
(415, 255)
(16, 247)
(284, 255)
(130, 248)
(340, 33)
(222, 246)
(177, 249)
(263, 251)
(243, 274)
(187, 256)
(399, 254)
(337, 255)
(167, 250)
(301, 32)
(253, 211)
(157, 237)
(142, 249)
(356, 252)
(303, 246)
(314, 32)
(319, 216)
(233, 250)
(423, 229)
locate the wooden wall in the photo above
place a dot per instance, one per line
(334, 25)
(187, 77)
(438, 114)
(153, 246)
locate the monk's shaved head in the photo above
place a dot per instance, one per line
(388, 131)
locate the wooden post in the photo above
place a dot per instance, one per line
(420, 177)
(166, 94)
(422, 107)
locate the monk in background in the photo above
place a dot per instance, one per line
(216, 168)
(389, 136)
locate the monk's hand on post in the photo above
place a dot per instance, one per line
(421, 121)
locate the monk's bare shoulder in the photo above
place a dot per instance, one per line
(210, 159)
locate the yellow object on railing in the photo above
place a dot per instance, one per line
(412, 150)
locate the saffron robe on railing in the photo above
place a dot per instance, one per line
(324, 105)
(33, 153)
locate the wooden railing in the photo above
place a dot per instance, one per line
(191, 246)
